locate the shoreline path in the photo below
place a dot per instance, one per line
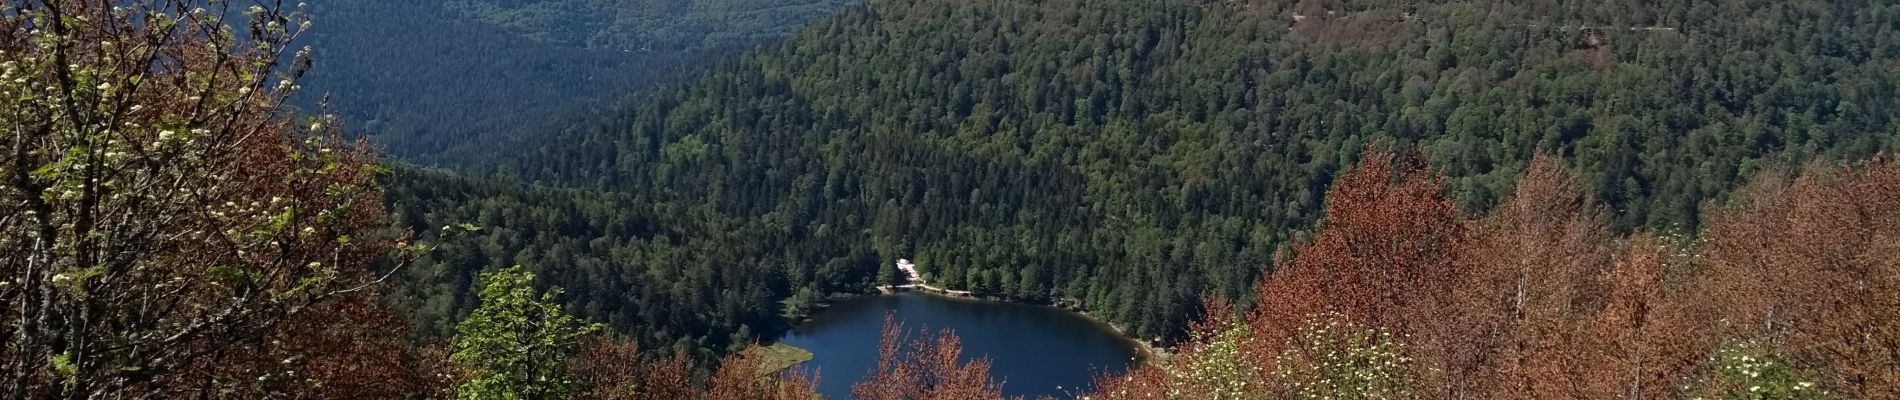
(917, 280)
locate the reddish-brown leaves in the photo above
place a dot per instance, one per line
(1538, 300)
(1643, 340)
(611, 369)
(1145, 382)
(925, 369)
(1382, 256)
(738, 378)
(607, 368)
(1815, 265)
(1523, 269)
(341, 350)
(188, 237)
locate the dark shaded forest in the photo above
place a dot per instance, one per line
(446, 82)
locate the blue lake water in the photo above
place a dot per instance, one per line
(1034, 350)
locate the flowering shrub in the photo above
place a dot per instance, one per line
(1328, 357)
(1335, 358)
(1218, 369)
(1744, 371)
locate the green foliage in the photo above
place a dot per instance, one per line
(668, 280)
(1129, 157)
(517, 343)
(64, 368)
(152, 178)
(1334, 358)
(800, 303)
(1745, 371)
(647, 25)
(1135, 156)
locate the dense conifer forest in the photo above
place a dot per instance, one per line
(1135, 157)
(619, 199)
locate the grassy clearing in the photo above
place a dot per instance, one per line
(778, 357)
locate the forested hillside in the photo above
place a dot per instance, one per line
(443, 81)
(1137, 156)
(1311, 199)
(648, 25)
(667, 278)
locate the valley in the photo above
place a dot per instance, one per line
(951, 200)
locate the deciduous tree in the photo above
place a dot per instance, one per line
(925, 368)
(1808, 262)
(159, 210)
(518, 343)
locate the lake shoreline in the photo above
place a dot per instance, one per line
(1146, 353)
(1149, 353)
(1041, 349)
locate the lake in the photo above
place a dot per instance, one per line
(1036, 350)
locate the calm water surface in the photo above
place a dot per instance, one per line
(1035, 349)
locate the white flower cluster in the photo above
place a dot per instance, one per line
(1334, 358)
(1740, 372)
(1219, 370)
